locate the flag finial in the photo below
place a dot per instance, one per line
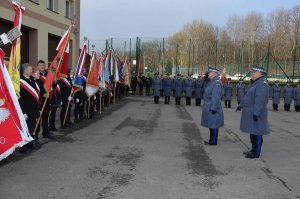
(85, 39)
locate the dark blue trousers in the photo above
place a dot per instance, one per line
(256, 141)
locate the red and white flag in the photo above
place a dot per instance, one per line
(13, 129)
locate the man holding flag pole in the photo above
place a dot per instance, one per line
(53, 70)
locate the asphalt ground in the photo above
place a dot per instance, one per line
(139, 150)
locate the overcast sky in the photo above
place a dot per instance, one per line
(102, 19)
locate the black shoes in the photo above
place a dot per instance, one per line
(250, 154)
(49, 136)
(53, 129)
(209, 143)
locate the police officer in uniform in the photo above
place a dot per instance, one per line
(254, 119)
(240, 91)
(167, 87)
(29, 102)
(228, 93)
(275, 94)
(156, 85)
(178, 87)
(212, 112)
(198, 88)
(297, 97)
(188, 89)
(288, 96)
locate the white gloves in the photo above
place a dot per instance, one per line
(77, 100)
(94, 97)
(69, 98)
(25, 116)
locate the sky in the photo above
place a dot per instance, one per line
(104, 19)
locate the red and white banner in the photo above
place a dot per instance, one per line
(13, 129)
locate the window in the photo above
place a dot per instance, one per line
(69, 9)
(52, 5)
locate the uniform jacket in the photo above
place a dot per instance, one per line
(275, 94)
(227, 91)
(167, 86)
(288, 94)
(157, 85)
(240, 91)
(297, 96)
(178, 87)
(255, 103)
(188, 87)
(198, 88)
(212, 102)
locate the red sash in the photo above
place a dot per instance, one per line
(29, 89)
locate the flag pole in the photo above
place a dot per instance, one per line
(100, 101)
(67, 110)
(89, 107)
(114, 92)
(118, 91)
(39, 118)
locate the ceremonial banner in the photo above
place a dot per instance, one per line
(92, 83)
(121, 73)
(78, 79)
(55, 66)
(63, 72)
(13, 129)
(15, 54)
(127, 73)
(106, 70)
(116, 75)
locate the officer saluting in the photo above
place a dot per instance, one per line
(275, 94)
(254, 119)
(212, 113)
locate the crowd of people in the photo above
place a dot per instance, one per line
(194, 88)
(40, 107)
(252, 99)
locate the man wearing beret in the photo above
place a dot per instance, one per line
(254, 119)
(212, 112)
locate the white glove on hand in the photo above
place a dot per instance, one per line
(77, 100)
(94, 97)
(25, 116)
(69, 98)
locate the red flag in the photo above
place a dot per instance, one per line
(92, 82)
(63, 72)
(55, 66)
(13, 129)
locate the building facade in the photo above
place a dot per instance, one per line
(43, 24)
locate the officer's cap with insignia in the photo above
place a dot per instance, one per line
(259, 68)
(211, 69)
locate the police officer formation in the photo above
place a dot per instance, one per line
(252, 100)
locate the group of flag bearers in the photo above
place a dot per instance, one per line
(31, 95)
